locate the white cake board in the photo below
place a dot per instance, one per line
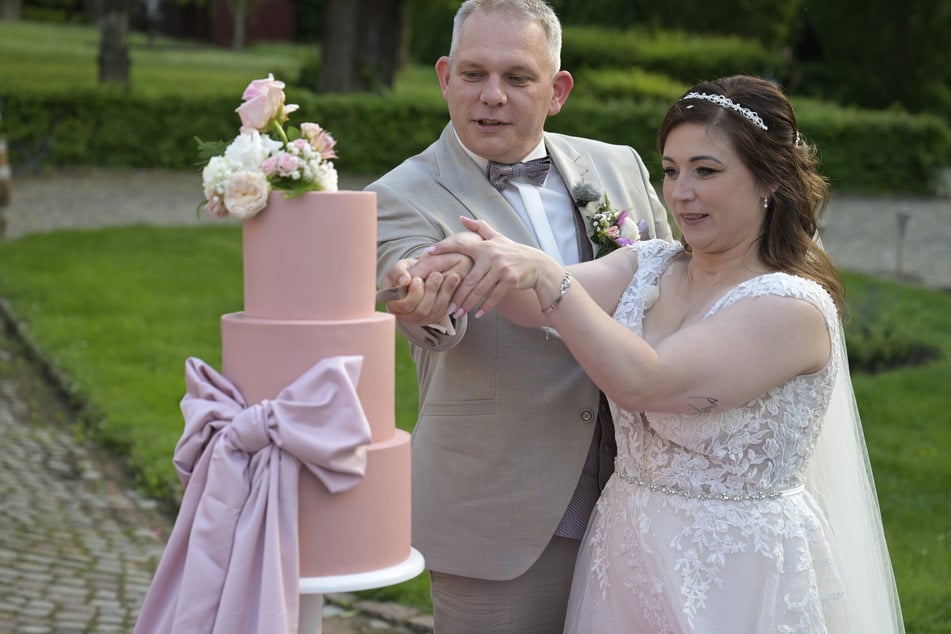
(313, 589)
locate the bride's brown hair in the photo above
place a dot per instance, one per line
(779, 159)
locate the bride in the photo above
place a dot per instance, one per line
(742, 499)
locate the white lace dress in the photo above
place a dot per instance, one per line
(705, 526)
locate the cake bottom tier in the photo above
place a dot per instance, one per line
(365, 528)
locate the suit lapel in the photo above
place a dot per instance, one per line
(575, 169)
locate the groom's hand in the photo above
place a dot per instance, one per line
(430, 287)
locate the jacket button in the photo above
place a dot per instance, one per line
(587, 415)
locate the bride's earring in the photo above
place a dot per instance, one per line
(765, 202)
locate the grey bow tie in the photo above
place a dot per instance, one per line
(534, 170)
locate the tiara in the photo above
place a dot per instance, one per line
(725, 102)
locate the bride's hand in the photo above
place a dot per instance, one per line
(499, 266)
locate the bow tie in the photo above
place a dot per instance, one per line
(534, 170)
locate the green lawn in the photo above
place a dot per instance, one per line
(117, 311)
(64, 56)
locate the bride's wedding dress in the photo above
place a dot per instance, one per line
(707, 524)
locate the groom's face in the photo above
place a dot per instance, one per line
(499, 86)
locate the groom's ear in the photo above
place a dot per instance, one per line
(561, 84)
(443, 66)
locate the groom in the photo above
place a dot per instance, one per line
(513, 441)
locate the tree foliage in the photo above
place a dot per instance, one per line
(765, 21)
(877, 53)
(872, 53)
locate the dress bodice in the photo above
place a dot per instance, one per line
(760, 448)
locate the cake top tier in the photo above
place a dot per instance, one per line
(311, 257)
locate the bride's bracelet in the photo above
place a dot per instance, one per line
(565, 285)
(562, 291)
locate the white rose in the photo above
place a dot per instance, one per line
(246, 194)
(249, 149)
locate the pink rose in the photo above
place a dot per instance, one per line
(263, 102)
(287, 163)
(246, 194)
(269, 166)
(281, 164)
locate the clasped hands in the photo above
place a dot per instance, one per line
(473, 269)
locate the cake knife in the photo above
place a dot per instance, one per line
(391, 294)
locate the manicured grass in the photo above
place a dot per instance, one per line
(64, 56)
(117, 311)
(61, 57)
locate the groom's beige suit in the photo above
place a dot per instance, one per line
(506, 415)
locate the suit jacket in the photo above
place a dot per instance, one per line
(505, 416)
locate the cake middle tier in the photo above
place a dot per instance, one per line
(263, 356)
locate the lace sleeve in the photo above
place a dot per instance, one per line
(785, 285)
(653, 257)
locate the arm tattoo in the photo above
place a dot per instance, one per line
(702, 404)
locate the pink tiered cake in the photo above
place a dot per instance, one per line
(309, 287)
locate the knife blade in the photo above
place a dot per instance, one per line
(391, 294)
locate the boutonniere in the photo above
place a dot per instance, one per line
(610, 228)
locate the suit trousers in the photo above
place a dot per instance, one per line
(533, 603)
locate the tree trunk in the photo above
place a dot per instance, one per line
(362, 45)
(239, 17)
(114, 62)
(10, 10)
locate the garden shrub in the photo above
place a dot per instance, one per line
(683, 57)
(879, 337)
(865, 151)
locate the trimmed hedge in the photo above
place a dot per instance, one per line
(766, 21)
(866, 151)
(683, 57)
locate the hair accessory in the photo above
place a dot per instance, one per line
(725, 102)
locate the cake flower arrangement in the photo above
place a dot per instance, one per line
(611, 228)
(239, 176)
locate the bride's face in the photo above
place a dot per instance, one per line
(709, 191)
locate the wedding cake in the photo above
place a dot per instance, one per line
(309, 292)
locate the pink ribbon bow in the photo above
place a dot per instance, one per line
(232, 561)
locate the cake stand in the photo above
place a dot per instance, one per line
(313, 589)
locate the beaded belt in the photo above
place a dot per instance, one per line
(693, 495)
